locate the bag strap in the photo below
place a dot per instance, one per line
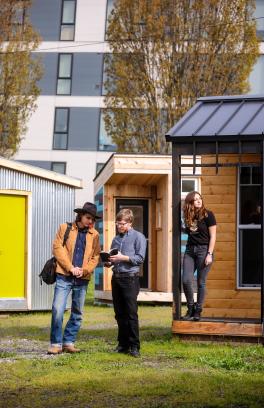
(67, 232)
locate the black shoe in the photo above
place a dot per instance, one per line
(190, 312)
(134, 352)
(121, 349)
(197, 314)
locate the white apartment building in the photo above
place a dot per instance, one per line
(66, 133)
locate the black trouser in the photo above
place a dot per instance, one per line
(124, 292)
(194, 258)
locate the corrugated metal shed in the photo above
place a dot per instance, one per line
(221, 117)
(52, 202)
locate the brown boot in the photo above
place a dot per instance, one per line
(54, 350)
(70, 348)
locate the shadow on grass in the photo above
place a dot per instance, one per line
(147, 333)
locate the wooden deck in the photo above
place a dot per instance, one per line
(218, 328)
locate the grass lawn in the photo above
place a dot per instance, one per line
(170, 373)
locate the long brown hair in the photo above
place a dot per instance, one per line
(190, 213)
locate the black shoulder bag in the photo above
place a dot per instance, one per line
(48, 273)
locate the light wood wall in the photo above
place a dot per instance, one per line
(159, 242)
(164, 236)
(223, 299)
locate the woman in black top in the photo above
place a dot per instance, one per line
(200, 225)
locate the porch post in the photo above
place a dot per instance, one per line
(176, 235)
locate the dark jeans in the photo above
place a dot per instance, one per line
(124, 292)
(193, 259)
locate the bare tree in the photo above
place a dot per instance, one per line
(165, 54)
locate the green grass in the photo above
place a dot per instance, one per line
(170, 373)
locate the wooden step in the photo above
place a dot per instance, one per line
(217, 328)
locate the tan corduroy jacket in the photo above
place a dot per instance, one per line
(64, 254)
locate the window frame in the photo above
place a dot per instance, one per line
(54, 127)
(59, 162)
(240, 227)
(68, 24)
(68, 78)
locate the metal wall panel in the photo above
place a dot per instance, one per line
(48, 82)
(52, 204)
(45, 16)
(87, 74)
(84, 129)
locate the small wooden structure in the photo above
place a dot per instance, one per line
(142, 183)
(227, 133)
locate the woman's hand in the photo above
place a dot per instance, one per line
(208, 259)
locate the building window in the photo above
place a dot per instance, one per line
(105, 141)
(249, 227)
(64, 74)
(103, 91)
(259, 12)
(58, 167)
(109, 8)
(99, 167)
(61, 129)
(188, 185)
(68, 20)
(256, 78)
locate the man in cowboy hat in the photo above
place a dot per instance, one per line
(76, 261)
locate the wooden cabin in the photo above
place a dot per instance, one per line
(227, 134)
(144, 184)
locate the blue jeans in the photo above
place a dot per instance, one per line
(64, 285)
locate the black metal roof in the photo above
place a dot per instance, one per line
(219, 118)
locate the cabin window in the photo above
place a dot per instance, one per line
(249, 227)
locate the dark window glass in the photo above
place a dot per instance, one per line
(188, 185)
(64, 74)
(58, 167)
(256, 175)
(250, 257)
(68, 20)
(250, 211)
(249, 237)
(245, 175)
(61, 125)
(250, 195)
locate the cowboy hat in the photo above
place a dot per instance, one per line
(88, 208)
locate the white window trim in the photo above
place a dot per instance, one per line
(238, 228)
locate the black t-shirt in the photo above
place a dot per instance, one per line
(198, 233)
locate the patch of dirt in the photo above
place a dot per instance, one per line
(13, 349)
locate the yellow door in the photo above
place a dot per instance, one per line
(12, 246)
